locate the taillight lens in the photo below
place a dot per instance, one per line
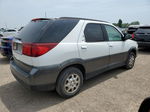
(37, 49)
(133, 35)
(27, 49)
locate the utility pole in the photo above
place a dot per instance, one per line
(5, 25)
(45, 15)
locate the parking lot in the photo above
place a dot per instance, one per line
(118, 90)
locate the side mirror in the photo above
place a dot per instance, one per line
(127, 36)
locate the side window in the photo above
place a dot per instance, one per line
(113, 33)
(93, 33)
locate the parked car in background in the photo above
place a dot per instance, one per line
(132, 28)
(6, 46)
(1, 37)
(6, 42)
(142, 36)
(1, 33)
(9, 32)
(123, 30)
(60, 53)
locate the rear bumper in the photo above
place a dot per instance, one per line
(42, 79)
(143, 44)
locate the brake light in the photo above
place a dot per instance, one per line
(37, 49)
(133, 35)
(27, 49)
(36, 19)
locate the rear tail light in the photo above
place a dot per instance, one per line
(27, 49)
(133, 36)
(37, 49)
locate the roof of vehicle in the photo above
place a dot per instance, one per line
(134, 26)
(144, 26)
(35, 19)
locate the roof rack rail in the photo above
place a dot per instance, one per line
(82, 19)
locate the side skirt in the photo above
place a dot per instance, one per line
(98, 72)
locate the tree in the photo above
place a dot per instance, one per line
(135, 23)
(115, 24)
(125, 25)
(120, 23)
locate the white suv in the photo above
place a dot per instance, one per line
(61, 53)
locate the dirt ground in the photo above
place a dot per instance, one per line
(118, 90)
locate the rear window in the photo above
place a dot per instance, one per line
(143, 30)
(32, 31)
(58, 30)
(46, 31)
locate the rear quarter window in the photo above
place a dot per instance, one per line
(93, 33)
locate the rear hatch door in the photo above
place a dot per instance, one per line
(29, 34)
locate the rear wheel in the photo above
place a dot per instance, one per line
(130, 61)
(3, 54)
(145, 105)
(69, 83)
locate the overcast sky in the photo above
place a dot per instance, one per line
(16, 13)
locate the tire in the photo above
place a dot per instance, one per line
(130, 61)
(145, 105)
(3, 54)
(69, 82)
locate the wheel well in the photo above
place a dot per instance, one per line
(79, 66)
(134, 51)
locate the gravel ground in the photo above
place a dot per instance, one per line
(118, 90)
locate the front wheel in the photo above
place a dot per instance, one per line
(130, 61)
(69, 82)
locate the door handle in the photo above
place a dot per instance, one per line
(110, 46)
(83, 47)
